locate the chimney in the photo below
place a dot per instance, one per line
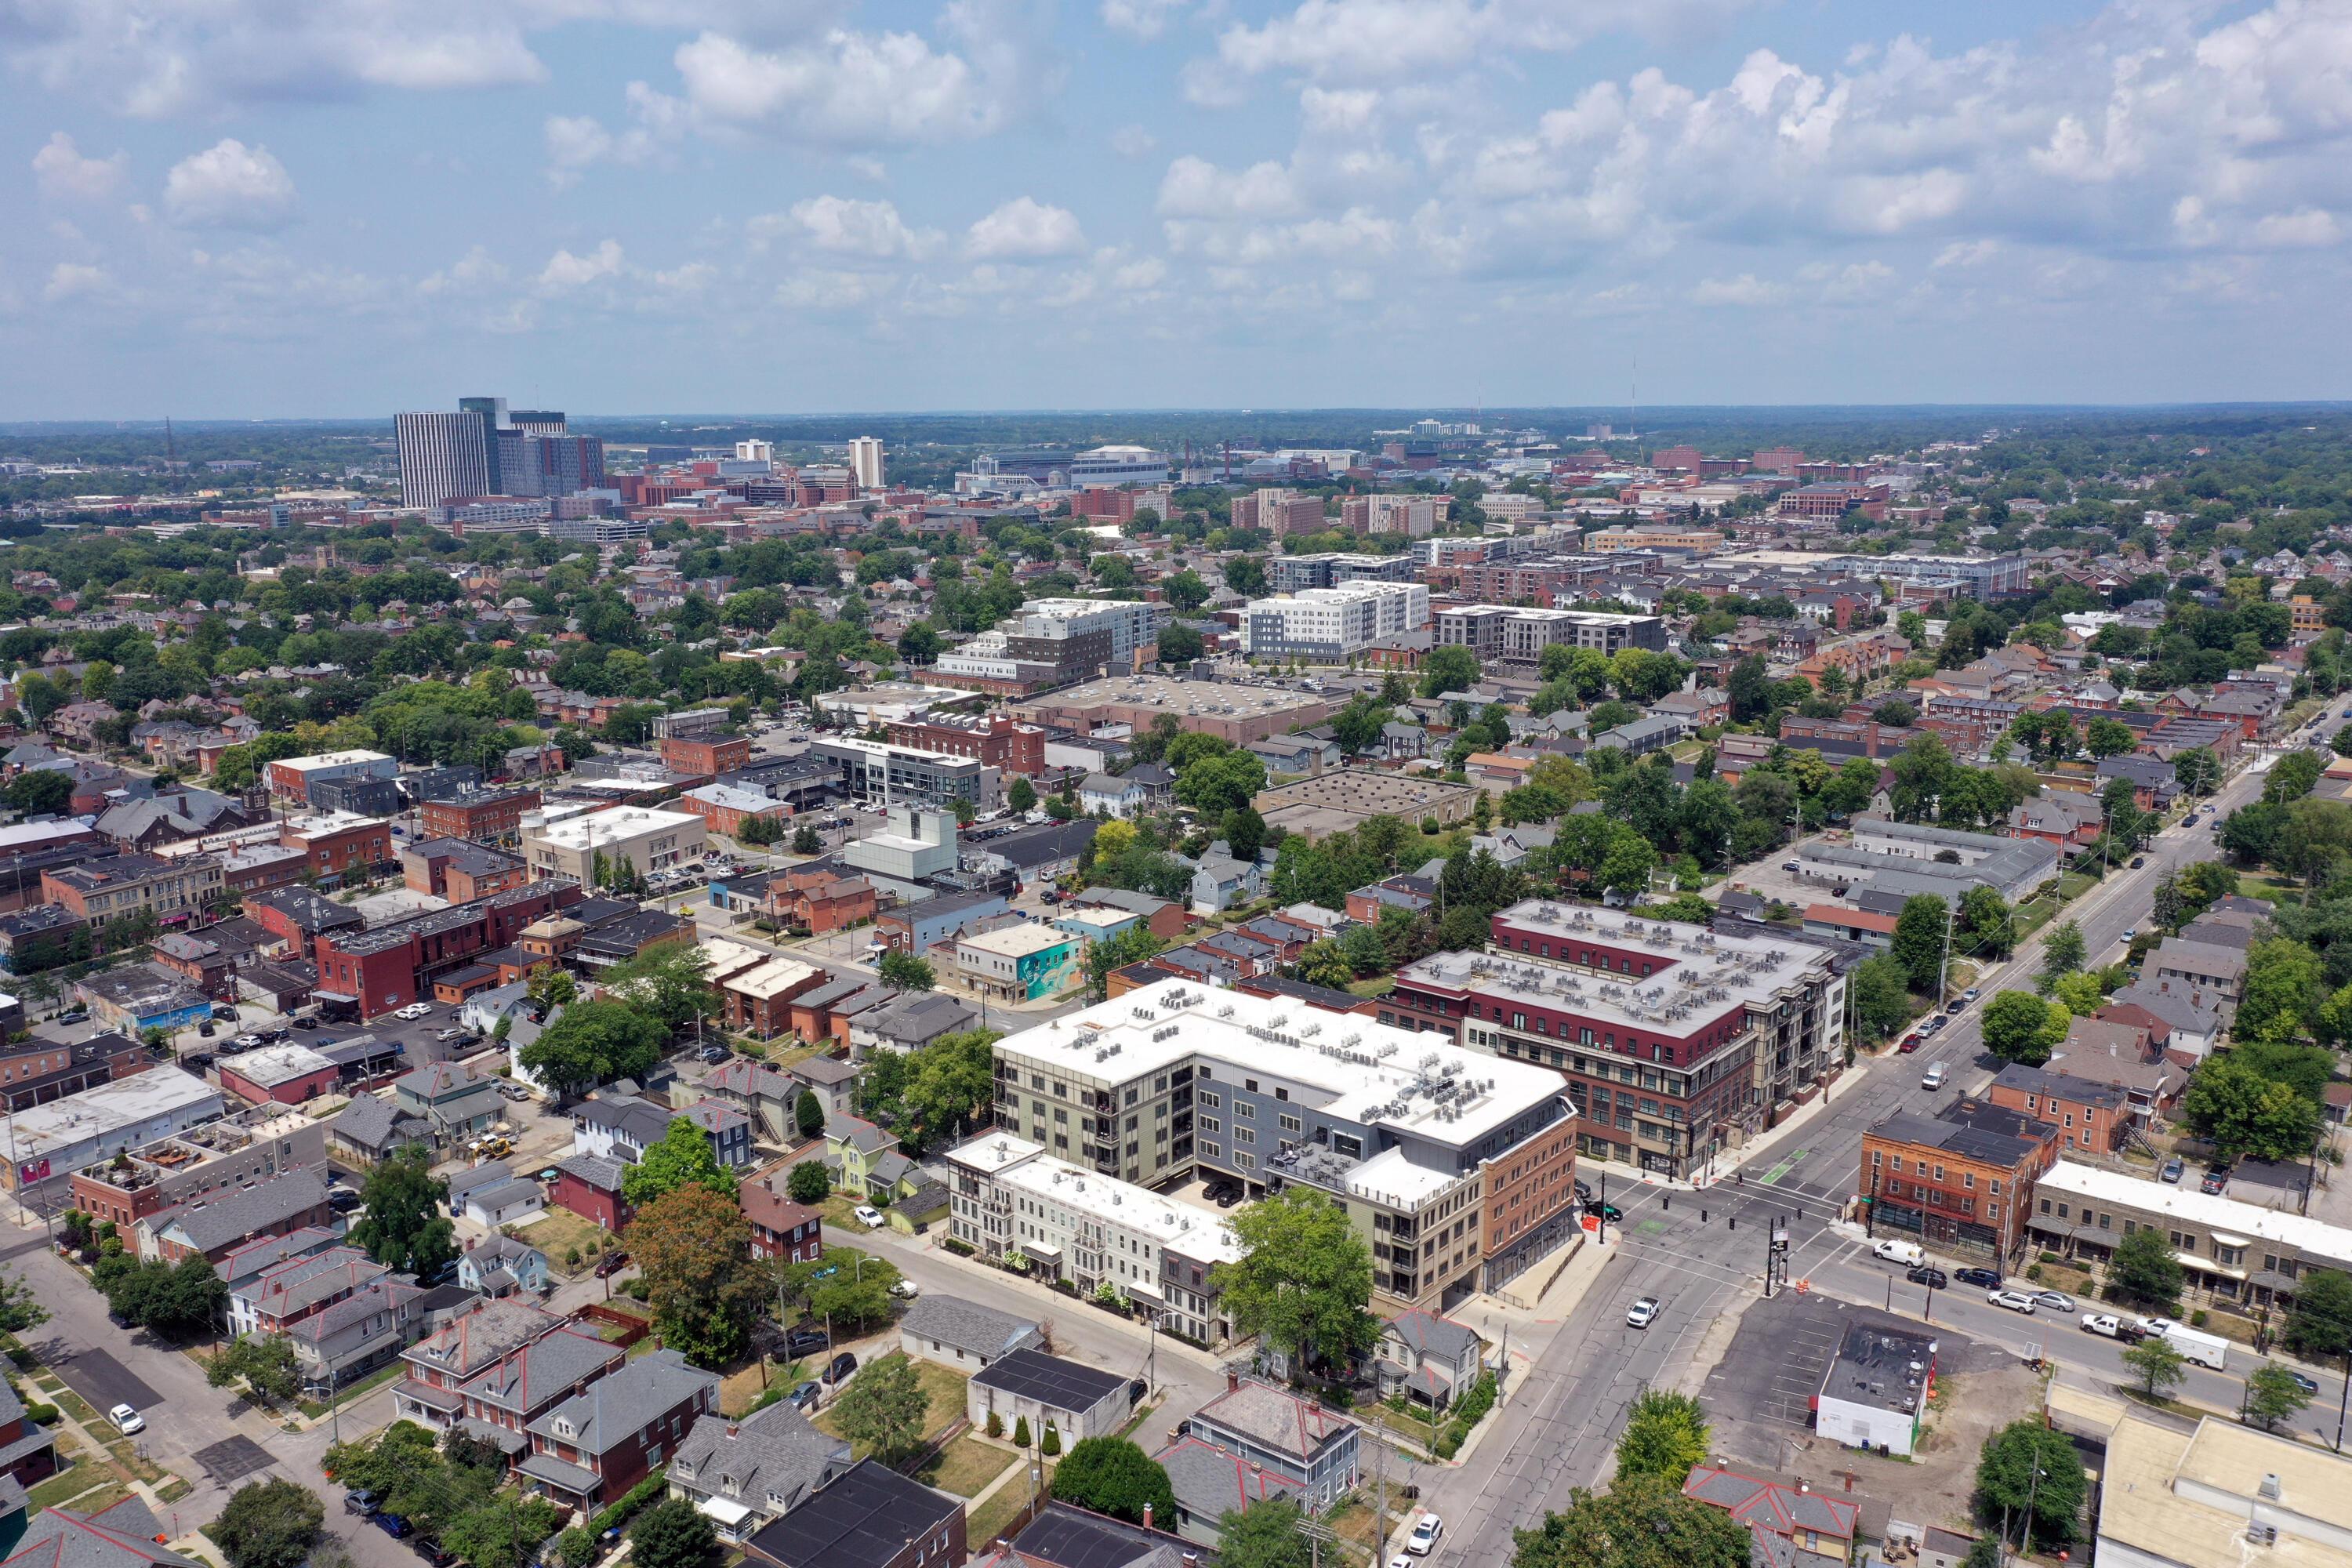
(1147, 1516)
(731, 1430)
(1233, 1380)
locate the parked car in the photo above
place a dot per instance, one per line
(905, 1289)
(78, 1016)
(343, 1200)
(806, 1342)
(2137, 861)
(1910, 1043)
(249, 1042)
(869, 1216)
(2215, 1179)
(842, 1366)
(805, 1398)
(2173, 1170)
(433, 1551)
(611, 1263)
(2056, 1300)
(126, 1420)
(1969, 994)
(1987, 1277)
(199, 1061)
(415, 1010)
(1424, 1535)
(359, 1503)
(302, 1023)
(1642, 1313)
(1136, 1389)
(1927, 1274)
(714, 1053)
(1895, 1250)
(2015, 1301)
(2109, 1326)
(1932, 1025)
(391, 1524)
(1956, 1003)
(206, 1030)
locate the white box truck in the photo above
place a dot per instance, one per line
(2204, 1348)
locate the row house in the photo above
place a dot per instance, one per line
(781, 1228)
(589, 1450)
(501, 1366)
(1961, 1181)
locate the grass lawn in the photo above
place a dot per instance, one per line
(173, 1489)
(989, 1520)
(1377, 985)
(74, 1405)
(965, 1467)
(126, 1454)
(558, 1233)
(2073, 884)
(943, 1387)
(66, 1484)
(375, 1379)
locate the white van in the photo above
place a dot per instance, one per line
(1909, 1254)
(1932, 1079)
(2204, 1348)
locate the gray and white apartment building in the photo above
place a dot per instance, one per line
(1329, 625)
(1518, 636)
(884, 771)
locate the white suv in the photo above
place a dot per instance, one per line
(415, 1010)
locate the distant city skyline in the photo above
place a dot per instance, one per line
(255, 209)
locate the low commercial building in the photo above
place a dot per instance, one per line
(142, 997)
(2222, 1492)
(381, 969)
(1020, 962)
(459, 869)
(2234, 1256)
(236, 1152)
(724, 808)
(964, 1335)
(880, 770)
(1231, 711)
(1008, 1198)
(918, 928)
(1046, 1391)
(291, 778)
(1888, 861)
(339, 844)
(1962, 1180)
(492, 813)
(1342, 801)
(645, 841)
(286, 1075)
(99, 892)
(1876, 1392)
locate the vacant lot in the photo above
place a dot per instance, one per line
(944, 1389)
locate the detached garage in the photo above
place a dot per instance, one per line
(506, 1202)
(1079, 1401)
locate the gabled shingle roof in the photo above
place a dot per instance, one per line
(266, 1205)
(619, 1404)
(967, 1326)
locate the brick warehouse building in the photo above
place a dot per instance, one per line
(338, 843)
(492, 815)
(377, 970)
(1000, 742)
(103, 890)
(1677, 1043)
(1961, 1179)
(705, 756)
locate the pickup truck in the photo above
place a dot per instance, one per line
(2109, 1326)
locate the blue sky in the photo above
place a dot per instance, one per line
(339, 207)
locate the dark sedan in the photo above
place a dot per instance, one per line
(1988, 1278)
(1928, 1275)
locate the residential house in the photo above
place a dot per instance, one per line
(1210, 1482)
(2189, 1017)
(1048, 1391)
(831, 1079)
(743, 1474)
(1810, 1529)
(870, 1516)
(457, 1101)
(761, 1093)
(123, 1535)
(497, 1368)
(590, 1186)
(2090, 1115)
(620, 1126)
(29, 1451)
(910, 1021)
(781, 1227)
(211, 1226)
(1221, 881)
(2197, 967)
(864, 1158)
(964, 1335)
(371, 1130)
(728, 1128)
(591, 1448)
(1277, 1429)
(502, 1265)
(1427, 1359)
(2059, 817)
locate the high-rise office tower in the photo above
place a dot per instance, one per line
(866, 462)
(443, 457)
(532, 465)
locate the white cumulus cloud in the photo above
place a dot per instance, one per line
(1025, 229)
(63, 173)
(230, 185)
(566, 270)
(70, 278)
(849, 227)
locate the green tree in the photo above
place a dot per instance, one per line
(2320, 1321)
(1325, 963)
(1185, 591)
(2158, 1366)
(2063, 952)
(1449, 668)
(669, 981)
(1264, 1535)
(806, 842)
(1665, 1434)
(672, 1533)
(2019, 1026)
(263, 1362)
(1020, 796)
(2078, 993)
(808, 1115)
(269, 1524)
(1882, 1001)
(2030, 1465)
(1106, 958)
(20, 1311)
(808, 1183)
(594, 1043)
(1304, 1277)
(2143, 1271)
(2242, 1112)
(1112, 1476)
(1988, 922)
(42, 794)
(502, 1531)
(1641, 1521)
(1918, 941)
(906, 971)
(2285, 985)
(404, 1225)
(2272, 1396)
(682, 1158)
(885, 1408)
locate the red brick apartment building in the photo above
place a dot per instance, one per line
(2089, 1115)
(459, 869)
(1962, 1180)
(1674, 1043)
(374, 972)
(780, 1227)
(705, 755)
(103, 890)
(340, 843)
(490, 816)
(997, 741)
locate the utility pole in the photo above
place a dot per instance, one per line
(1943, 965)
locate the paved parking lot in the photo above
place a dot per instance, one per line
(106, 1382)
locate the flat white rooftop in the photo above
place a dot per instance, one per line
(1021, 1164)
(1017, 942)
(329, 760)
(1343, 1063)
(95, 1112)
(604, 828)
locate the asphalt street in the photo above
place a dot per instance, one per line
(1558, 1427)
